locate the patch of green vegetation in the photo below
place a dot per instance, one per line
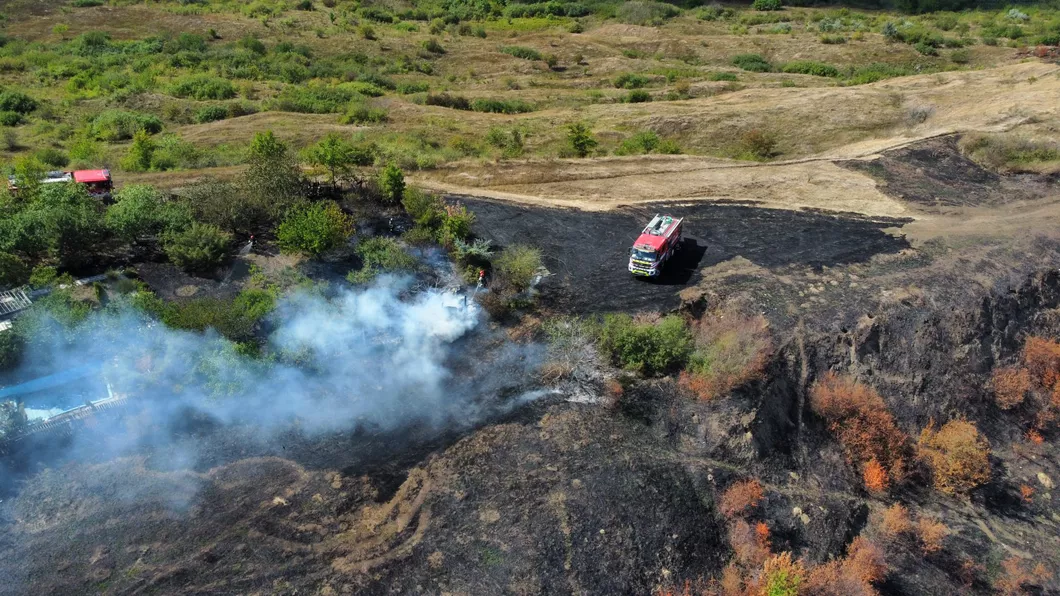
(380, 254)
(752, 63)
(522, 52)
(809, 67)
(648, 346)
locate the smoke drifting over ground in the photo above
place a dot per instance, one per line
(376, 359)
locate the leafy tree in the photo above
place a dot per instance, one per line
(335, 154)
(200, 247)
(314, 228)
(29, 172)
(13, 271)
(272, 182)
(64, 222)
(138, 159)
(392, 183)
(580, 139)
(140, 211)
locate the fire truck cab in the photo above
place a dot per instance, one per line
(658, 242)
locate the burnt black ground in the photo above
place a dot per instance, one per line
(587, 251)
(935, 175)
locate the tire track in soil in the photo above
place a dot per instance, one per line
(587, 252)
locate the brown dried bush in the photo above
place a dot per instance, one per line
(731, 349)
(1026, 493)
(850, 576)
(895, 522)
(1042, 359)
(1017, 575)
(1011, 384)
(858, 417)
(875, 477)
(931, 535)
(741, 498)
(747, 546)
(957, 454)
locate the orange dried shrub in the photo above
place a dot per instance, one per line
(731, 349)
(957, 455)
(731, 582)
(746, 545)
(1011, 384)
(741, 498)
(1035, 437)
(860, 420)
(782, 576)
(895, 523)
(1026, 493)
(1015, 576)
(762, 535)
(931, 535)
(1042, 359)
(875, 477)
(853, 575)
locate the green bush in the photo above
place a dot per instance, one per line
(16, 101)
(752, 63)
(501, 106)
(522, 52)
(211, 114)
(140, 154)
(766, 5)
(314, 228)
(10, 118)
(445, 100)
(642, 142)
(832, 39)
(580, 139)
(925, 49)
(638, 96)
(13, 271)
(203, 87)
(631, 81)
(119, 125)
(433, 46)
(380, 254)
(456, 226)
(648, 347)
(392, 183)
(200, 247)
(318, 98)
(409, 88)
(51, 156)
(809, 67)
(722, 76)
(139, 211)
(876, 72)
(517, 266)
(234, 319)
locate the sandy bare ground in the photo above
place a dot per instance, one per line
(990, 100)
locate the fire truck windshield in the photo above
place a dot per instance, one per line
(642, 255)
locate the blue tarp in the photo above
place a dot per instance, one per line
(49, 382)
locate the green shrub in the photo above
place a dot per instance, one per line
(203, 87)
(314, 228)
(648, 347)
(211, 114)
(119, 125)
(832, 39)
(751, 62)
(140, 154)
(13, 271)
(199, 247)
(501, 106)
(139, 211)
(638, 96)
(925, 49)
(642, 142)
(10, 118)
(361, 113)
(766, 5)
(722, 76)
(338, 155)
(522, 52)
(409, 88)
(380, 254)
(456, 226)
(809, 67)
(86, 3)
(317, 98)
(961, 56)
(392, 183)
(631, 81)
(433, 46)
(580, 139)
(51, 156)
(517, 266)
(234, 319)
(16, 101)
(445, 100)
(876, 72)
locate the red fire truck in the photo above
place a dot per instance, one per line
(98, 182)
(660, 239)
